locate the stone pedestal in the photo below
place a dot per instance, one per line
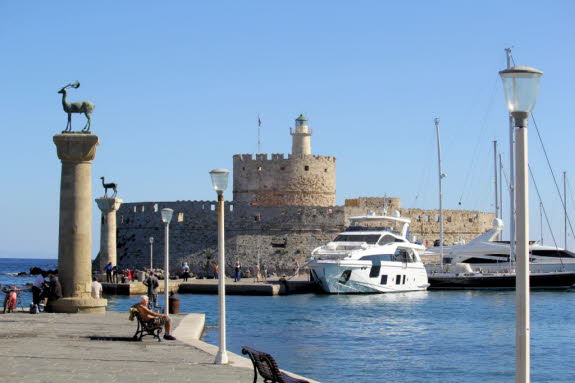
(108, 206)
(76, 151)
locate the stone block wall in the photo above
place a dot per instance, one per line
(299, 180)
(278, 236)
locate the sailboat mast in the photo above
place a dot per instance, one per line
(496, 187)
(441, 175)
(511, 176)
(565, 206)
(500, 192)
(541, 220)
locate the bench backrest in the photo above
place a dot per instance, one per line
(265, 363)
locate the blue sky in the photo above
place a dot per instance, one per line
(178, 87)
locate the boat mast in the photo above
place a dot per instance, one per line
(496, 187)
(565, 206)
(511, 176)
(441, 176)
(500, 193)
(541, 220)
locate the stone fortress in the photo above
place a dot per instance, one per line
(282, 209)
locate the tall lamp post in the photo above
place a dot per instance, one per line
(151, 253)
(166, 218)
(521, 85)
(220, 183)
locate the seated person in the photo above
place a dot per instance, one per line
(148, 315)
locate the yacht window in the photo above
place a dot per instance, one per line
(483, 260)
(383, 280)
(378, 258)
(386, 239)
(374, 272)
(404, 255)
(398, 279)
(345, 277)
(403, 280)
(553, 253)
(368, 238)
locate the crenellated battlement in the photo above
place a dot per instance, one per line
(280, 157)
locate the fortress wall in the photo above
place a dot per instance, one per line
(299, 180)
(458, 225)
(278, 235)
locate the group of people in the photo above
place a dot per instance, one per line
(44, 292)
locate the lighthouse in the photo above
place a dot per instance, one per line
(301, 136)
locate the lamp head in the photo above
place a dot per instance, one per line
(151, 239)
(167, 215)
(521, 85)
(220, 179)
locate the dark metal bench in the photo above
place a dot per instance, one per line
(146, 327)
(266, 365)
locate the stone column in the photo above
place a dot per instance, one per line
(76, 151)
(108, 206)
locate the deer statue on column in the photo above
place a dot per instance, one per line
(85, 107)
(111, 185)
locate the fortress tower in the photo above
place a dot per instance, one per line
(300, 180)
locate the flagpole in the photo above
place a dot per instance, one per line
(259, 128)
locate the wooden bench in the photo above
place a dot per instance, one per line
(266, 365)
(146, 327)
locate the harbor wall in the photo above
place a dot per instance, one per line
(279, 236)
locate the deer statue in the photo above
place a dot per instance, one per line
(111, 185)
(85, 107)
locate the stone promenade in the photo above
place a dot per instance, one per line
(58, 348)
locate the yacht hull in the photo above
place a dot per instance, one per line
(398, 277)
(558, 280)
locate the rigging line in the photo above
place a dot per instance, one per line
(563, 203)
(552, 172)
(542, 206)
(478, 142)
(570, 192)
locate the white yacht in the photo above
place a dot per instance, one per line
(373, 255)
(486, 254)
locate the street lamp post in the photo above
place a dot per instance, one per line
(220, 183)
(151, 253)
(521, 85)
(166, 218)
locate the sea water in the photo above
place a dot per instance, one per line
(435, 336)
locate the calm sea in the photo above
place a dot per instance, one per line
(449, 336)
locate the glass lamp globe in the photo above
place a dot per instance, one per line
(220, 179)
(151, 239)
(521, 85)
(167, 215)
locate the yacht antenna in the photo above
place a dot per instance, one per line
(511, 174)
(441, 176)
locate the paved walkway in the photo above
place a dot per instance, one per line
(61, 348)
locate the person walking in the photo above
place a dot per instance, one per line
(237, 271)
(96, 290)
(216, 270)
(257, 274)
(185, 271)
(109, 269)
(152, 284)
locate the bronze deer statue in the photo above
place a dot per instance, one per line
(110, 185)
(85, 107)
